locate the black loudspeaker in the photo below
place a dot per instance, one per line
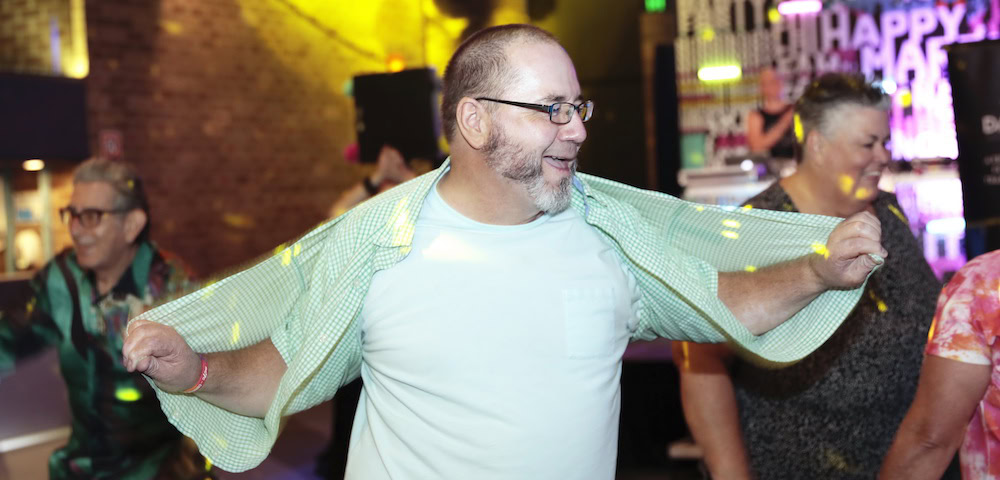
(668, 147)
(973, 70)
(398, 109)
(42, 117)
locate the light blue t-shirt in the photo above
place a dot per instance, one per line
(494, 352)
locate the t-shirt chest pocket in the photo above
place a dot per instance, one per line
(589, 319)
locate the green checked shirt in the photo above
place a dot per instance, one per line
(306, 298)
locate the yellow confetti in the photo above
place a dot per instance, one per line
(836, 460)
(879, 304)
(686, 361)
(699, 208)
(799, 130)
(730, 234)
(237, 220)
(220, 441)
(747, 207)
(930, 333)
(707, 34)
(895, 211)
(846, 184)
(905, 98)
(236, 333)
(731, 223)
(773, 15)
(750, 268)
(297, 249)
(172, 27)
(402, 230)
(208, 464)
(279, 249)
(127, 394)
(862, 193)
(821, 249)
(286, 258)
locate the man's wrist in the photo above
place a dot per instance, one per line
(811, 274)
(202, 375)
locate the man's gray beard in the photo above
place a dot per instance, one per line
(512, 162)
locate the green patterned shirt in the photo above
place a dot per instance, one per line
(306, 298)
(118, 429)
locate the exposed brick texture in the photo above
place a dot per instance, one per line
(240, 153)
(27, 28)
(234, 110)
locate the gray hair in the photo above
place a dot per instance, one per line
(832, 91)
(123, 179)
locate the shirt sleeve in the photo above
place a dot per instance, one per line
(287, 298)
(677, 248)
(966, 316)
(28, 327)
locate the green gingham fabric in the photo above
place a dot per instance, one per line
(307, 296)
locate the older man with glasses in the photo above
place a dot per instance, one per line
(78, 304)
(487, 305)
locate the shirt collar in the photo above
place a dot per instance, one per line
(405, 207)
(133, 280)
(405, 204)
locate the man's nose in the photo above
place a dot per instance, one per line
(74, 226)
(574, 131)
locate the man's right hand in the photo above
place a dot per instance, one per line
(845, 261)
(160, 353)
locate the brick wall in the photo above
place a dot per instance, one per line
(235, 112)
(236, 124)
(27, 28)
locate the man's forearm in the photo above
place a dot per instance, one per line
(763, 299)
(243, 381)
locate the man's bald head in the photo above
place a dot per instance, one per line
(481, 68)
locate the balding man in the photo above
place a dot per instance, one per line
(487, 305)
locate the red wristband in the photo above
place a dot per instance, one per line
(201, 378)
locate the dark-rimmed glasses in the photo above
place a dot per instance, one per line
(88, 217)
(560, 113)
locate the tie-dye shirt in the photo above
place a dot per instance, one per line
(965, 329)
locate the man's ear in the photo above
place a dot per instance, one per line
(135, 221)
(473, 122)
(813, 146)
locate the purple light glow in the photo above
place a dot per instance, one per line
(799, 7)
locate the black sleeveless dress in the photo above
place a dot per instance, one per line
(785, 148)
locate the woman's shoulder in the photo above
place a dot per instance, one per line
(773, 197)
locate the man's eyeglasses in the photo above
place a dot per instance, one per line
(559, 113)
(88, 217)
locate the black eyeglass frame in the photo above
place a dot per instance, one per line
(67, 214)
(550, 109)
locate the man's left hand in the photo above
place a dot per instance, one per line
(845, 262)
